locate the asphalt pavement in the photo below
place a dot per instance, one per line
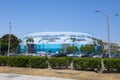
(6, 76)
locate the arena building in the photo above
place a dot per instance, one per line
(55, 42)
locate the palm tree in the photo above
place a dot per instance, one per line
(73, 40)
(29, 41)
(94, 41)
(100, 43)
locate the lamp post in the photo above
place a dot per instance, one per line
(9, 38)
(108, 30)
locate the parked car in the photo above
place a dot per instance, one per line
(116, 55)
(98, 56)
(73, 55)
(59, 55)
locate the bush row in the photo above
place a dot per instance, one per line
(19, 61)
(112, 64)
(3, 60)
(60, 62)
(109, 64)
(35, 62)
(38, 62)
(24, 61)
(87, 63)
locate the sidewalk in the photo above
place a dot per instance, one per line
(5, 76)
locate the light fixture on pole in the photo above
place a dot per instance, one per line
(9, 38)
(108, 30)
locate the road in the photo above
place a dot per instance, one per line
(5, 76)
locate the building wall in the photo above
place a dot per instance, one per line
(56, 41)
(114, 47)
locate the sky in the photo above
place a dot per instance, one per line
(28, 16)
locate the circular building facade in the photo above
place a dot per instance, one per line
(52, 42)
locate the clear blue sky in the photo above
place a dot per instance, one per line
(60, 15)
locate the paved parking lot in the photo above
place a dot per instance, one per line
(5, 76)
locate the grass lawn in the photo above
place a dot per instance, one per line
(73, 74)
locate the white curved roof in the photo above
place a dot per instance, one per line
(58, 37)
(55, 33)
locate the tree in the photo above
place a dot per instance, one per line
(83, 49)
(73, 39)
(100, 43)
(30, 45)
(29, 40)
(72, 49)
(4, 48)
(94, 41)
(20, 41)
(14, 42)
(88, 49)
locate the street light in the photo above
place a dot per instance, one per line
(9, 38)
(107, 17)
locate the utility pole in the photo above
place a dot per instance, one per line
(108, 30)
(109, 49)
(9, 38)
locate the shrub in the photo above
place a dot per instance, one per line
(18, 61)
(59, 62)
(70, 60)
(3, 60)
(38, 62)
(87, 63)
(112, 63)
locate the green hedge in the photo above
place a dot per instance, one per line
(87, 63)
(59, 62)
(3, 60)
(112, 64)
(38, 62)
(70, 60)
(18, 61)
